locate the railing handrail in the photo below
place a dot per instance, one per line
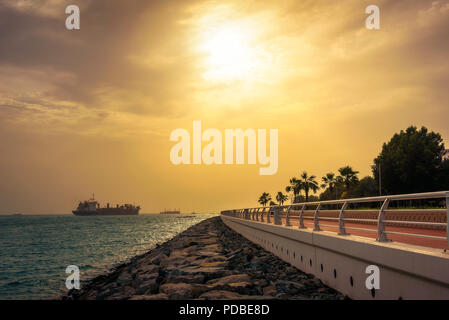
(253, 213)
(411, 196)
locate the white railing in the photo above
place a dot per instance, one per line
(280, 212)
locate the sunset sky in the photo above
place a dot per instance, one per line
(91, 110)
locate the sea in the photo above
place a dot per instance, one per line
(35, 250)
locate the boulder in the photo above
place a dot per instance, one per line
(147, 283)
(185, 278)
(289, 287)
(220, 295)
(124, 278)
(235, 278)
(177, 291)
(159, 296)
(270, 291)
(157, 259)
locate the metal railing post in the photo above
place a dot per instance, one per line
(341, 219)
(316, 222)
(287, 217)
(301, 217)
(269, 215)
(447, 217)
(381, 235)
(278, 215)
(261, 216)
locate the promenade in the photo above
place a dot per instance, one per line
(340, 241)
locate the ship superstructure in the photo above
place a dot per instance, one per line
(91, 207)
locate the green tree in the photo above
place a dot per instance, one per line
(295, 188)
(412, 161)
(348, 177)
(281, 198)
(308, 183)
(366, 187)
(329, 181)
(264, 199)
(443, 176)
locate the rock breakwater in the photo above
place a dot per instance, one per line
(207, 261)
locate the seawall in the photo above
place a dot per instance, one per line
(207, 261)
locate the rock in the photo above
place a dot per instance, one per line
(216, 259)
(159, 296)
(208, 272)
(177, 291)
(127, 291)
(207, 261)
(147, 283)
(150, 268)
(157, 259)
(186, 278)
(220, 295)
(235, 278)
(270, 291)
(260, 282)
(238, 282)
(124, 278)
(290, 287)
(216, 264)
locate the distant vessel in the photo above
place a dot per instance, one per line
(91, 207)
(171, 212)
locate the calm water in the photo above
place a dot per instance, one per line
(35, 250)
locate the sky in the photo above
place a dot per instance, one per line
(92, 110)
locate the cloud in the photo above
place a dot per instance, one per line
(111, 63)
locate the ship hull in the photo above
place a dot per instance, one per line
(107, 212)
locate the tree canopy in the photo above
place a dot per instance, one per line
(410, 162)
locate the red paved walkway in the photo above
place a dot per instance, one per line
(432, 243)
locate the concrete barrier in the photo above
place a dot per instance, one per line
(405, 271)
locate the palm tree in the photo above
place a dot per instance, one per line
(272, 203)
(264, 198)
(329, 181)
(348, 176)
(308, 183)
(295, 188)
(281, 198)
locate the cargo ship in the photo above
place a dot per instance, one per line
(171, 212)
(91, 207)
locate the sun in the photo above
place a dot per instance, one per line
(230, 53)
